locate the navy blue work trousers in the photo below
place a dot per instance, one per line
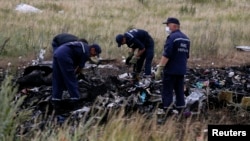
(64, 77)
(173, 84)
(146, 57)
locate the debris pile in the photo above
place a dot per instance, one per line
(204, 89)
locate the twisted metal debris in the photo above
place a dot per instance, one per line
(114, 90)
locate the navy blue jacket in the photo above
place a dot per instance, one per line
(77, 53)
(176, 49)
(138, 38)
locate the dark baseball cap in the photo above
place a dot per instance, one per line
(172, 20)
(119, 39)
(97, 49)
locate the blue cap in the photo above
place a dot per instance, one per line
(172, 20)
(119, 39)
(97, 49)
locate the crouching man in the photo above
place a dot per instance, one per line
(68, 60)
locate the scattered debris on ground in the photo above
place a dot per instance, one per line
(107, 87)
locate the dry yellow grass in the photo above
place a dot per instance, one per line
(213, 27)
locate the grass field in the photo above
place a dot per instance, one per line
(215, 27)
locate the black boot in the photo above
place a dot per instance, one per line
(56, 107)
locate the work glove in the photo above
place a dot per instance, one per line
(159, 72)
(134, 60)
(94, 60)
(130, 55)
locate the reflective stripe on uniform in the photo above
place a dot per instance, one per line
(83, 49)
(130, 34)
(184, 39)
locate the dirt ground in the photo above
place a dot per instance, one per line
(238, 58)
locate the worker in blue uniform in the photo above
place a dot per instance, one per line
(173, 63)
(140, 40)
(68, 60)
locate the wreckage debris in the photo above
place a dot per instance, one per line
(205, 89)
(243, 48)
